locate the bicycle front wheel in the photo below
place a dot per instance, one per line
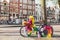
(23, 32)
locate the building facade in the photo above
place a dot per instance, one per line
(52, 10)
(4, 11)
(13, 10)
(38, 10)
(17, 9)
(21, 7)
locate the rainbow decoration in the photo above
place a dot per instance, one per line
(30, 27)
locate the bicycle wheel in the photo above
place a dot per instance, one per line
(45, 32)
(52, 31)
(23, 32)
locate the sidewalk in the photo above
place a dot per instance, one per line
(56, 28)
(5, 26)
(22, 38)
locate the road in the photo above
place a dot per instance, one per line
(12, 33)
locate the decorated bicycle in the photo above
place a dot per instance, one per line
(31, 30)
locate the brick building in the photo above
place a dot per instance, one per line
(16, 9)
(4, 10)
(21, 7)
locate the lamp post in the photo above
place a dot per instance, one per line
(45, 15)
(59, 2)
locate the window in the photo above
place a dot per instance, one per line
(16, 10)
(24, 1)
(33, 7)
(29, 2)
(17, 15)
(4, 3)
(2, 12)
(21, 1)
(10, 0)
(13, 15)
(2, 8)
(40, 5)
(29, 7)
(36, 4)
(11, 10)
(24, 12)
(33, 13)
(33, 2)
(20, 6)
(25, 6)
(10, 15)
(20, 13)
(30, 12)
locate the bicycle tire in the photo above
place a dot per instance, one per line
(21, 33)
(46, 32)
(24, 35)
(52, 31)
(31, 36)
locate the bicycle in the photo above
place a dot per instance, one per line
(23, 32)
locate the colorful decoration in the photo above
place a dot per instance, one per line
(49, 36)
(30, 26)
(47, 32)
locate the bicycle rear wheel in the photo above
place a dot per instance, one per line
(45, 31)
